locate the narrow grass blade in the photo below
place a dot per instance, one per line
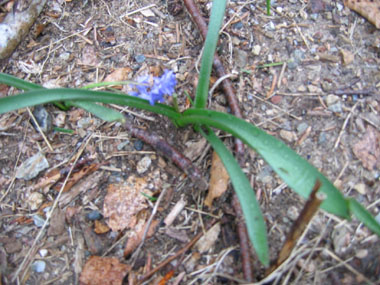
(292, 168)
(42, 96)
(363, 215)
(102, 112)
(251, 209)
(216, 19)
(17, 82)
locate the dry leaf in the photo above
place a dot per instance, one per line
(369, 9)
(48, 180)
(89, 56)
(123, 202)
(347, 56)
(75, 177)
(368, 149)
(218, 181)
(103, 270)
(136, 237)
(206, 242)
(57, 223)
(119, 74)
(194, 149)
(100, 227)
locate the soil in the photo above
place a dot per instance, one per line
(308, 74)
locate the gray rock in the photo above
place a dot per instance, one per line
(38, 221)
(140, 58)
(241, 58)
(31, 167)
(39, 266)
(143, 164)
(302, 127)
(331, 99)
(336, 108)
(43, 119)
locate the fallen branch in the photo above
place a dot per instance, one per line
(163, 147)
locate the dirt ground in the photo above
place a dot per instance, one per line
(320, 96)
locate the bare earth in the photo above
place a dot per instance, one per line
(324, 103)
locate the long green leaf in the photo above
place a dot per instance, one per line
(102, 112)
(42, 96)
(292, 168)
(17, 82)
(216, 19)
(363, 215)
(251, 209)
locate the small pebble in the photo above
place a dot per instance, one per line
(138, 145)
(121, 145)
(143, 164)
(140, 58)
(331, 99)
(336, 108)
(339, 6)
(94, 215)
(238, 25)
(241, 58)
(256, 49)
(302, 127)
(43, 119)
(361, 253)
(31, 167)
(314, 16)
(293, 213)
(39, 266)
(35, 200)
(84, 123)
(64, 56)
(288, 136)
(38, 221)
(43, 252)
(271, 26)
(322, 138)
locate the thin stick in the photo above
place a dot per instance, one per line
(307, 213)
(137, 251)
(245, 249)
(273, 105)
(138, 10)
(176, 255)
(170, 152)
(344, 125)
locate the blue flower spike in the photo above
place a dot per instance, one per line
(163, 85)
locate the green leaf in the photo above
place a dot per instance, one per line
(102, 112)
(251, 209)
(43, 96)
(363, 215)
(216, 19)
(292, 168)
(17, 82)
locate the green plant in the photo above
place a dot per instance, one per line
(293, 169)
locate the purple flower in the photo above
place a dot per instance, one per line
(163, 85)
